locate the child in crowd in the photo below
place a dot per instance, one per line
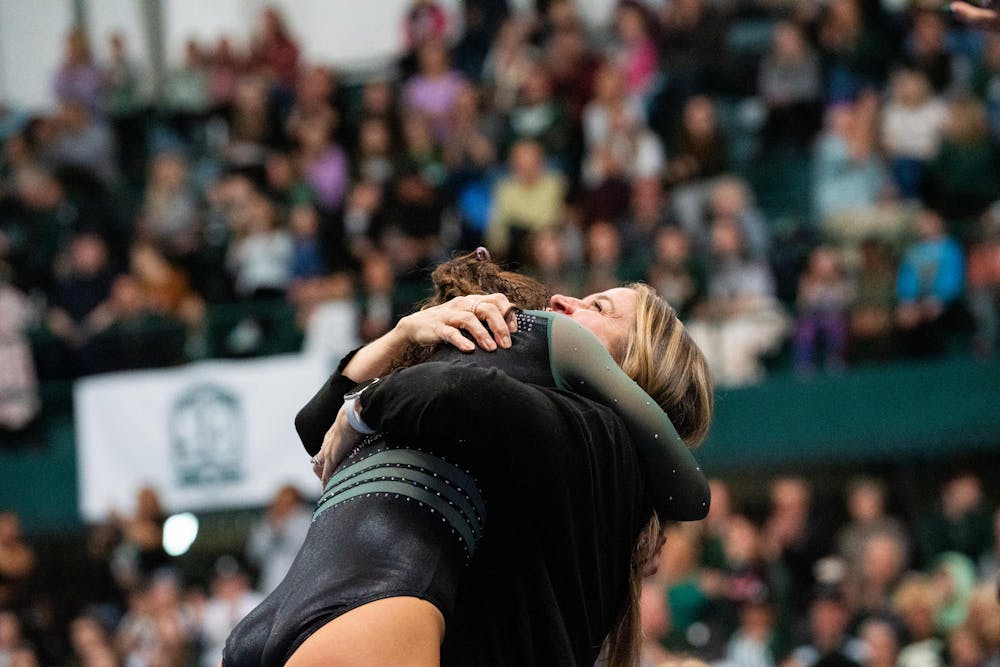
(823, 301)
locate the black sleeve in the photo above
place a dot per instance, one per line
(444, 401)
(316, 417)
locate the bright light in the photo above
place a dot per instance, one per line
(179, 533)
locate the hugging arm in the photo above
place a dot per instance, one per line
(580, 363)
(443, 323)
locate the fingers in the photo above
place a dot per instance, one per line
(454, 337)
(472, 324)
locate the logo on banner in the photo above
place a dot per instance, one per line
(207, 436)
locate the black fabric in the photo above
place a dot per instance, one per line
(354, 553)
(565, 498)
(565, 502)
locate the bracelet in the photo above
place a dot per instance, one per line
(354, 419)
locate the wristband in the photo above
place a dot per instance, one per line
(351, 399)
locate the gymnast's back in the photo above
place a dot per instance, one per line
(397, 518)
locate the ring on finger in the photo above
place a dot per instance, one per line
(475, 305)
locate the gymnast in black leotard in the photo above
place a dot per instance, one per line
(399, 521)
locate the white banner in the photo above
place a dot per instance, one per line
(212, 435)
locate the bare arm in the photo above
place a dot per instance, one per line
(443, 323)
(977, 17)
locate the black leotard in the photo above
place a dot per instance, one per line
(398, 522)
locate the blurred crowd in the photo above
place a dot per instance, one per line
(791, 579)
(805, 181)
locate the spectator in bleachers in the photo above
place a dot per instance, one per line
(185, 90)
(912, 123)
(549, 261)
(231, 600)
(681, 584)
(824, 296)
(866, 499)
(983, 620)
(610, 99)
(260, 257)
(572, 68)
(90, 642)
(629, 150)
(225, 66)
(883, 562)
(275, 540)
(954, 578)
(796, 535)
(790, 84)
(375, 159)
(648, 211)
(871, 312)
(252, 124)
(692, 47)
(19, 400)
(697, 154)
(165, 287)
(274, 51)
(376, 286)
(731, 200)
(169, 214)
(606, 268)
(138, 552)
(314, 100)
(538, 116)
(322, 161)
(84, 142)
(509, 63)
(964, 649)
(672, 271)
(830, 641)
(124, 99)
(10, 635)
(699, 150)
(739, 320)
(881, 640)
(927, 50)
(530, 199)
(928, 286)
(79, 78)
(855, 55)
(986, 82)
(636, 50)
(962, 179)
(157, 629)
(285, 185)
(425, 21)
(984, 285)
(962, 522)
(849, 177)
(434, 90)
(86, 285)
(755, 642)
(17, 564)
(916, 605)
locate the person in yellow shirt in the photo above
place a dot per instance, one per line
(529, 200)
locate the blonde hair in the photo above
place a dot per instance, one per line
(663, 359)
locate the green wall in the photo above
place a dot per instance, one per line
(884, 414)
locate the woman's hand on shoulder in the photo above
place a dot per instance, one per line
(445, 323)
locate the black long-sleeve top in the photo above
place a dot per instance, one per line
(566, 501)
